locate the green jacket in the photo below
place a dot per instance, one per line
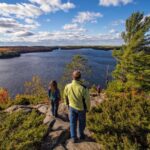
(75, 93)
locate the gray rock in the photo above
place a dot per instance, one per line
(39, 105)
(11, 109)
(60, 125)
(58, 134)
(50, 125)
(58, 137)
(60, 147)
(64, 117)
(84, 145)
(49, 111)
(63, 112)
(17, 108)
(54, 139)
(26, 110)
(48, 119)
(43, 108)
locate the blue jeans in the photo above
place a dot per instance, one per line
(54, 108)
(76, 115)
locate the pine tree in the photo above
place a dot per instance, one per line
(78, 62)
(122, 121)
(132, 70)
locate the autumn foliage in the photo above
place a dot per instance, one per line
(4, 96)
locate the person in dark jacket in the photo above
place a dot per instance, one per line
(54, 96)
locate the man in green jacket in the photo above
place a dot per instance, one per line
(77, 97)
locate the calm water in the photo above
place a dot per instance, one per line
(50, 65)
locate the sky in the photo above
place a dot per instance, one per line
(66, 22)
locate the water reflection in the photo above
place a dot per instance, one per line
(50, 65)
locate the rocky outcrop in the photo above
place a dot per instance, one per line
(47, 119)
(57, 135)
(84, 145)
(18, 108)
(43, 109)
(59, 147)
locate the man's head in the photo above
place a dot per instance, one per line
(76, 75)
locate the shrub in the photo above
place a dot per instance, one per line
(122, 123)
(22, 100)
(36, 89)
(21, 130)
(93, 89)
(35, 93)
(4, 99)
(27, 100)
(4, 96)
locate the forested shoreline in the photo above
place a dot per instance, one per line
(16, 51)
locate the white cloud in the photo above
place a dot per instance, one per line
(67, 6)
(70, 26)
(53, 5)
(80, 19)
(74, 27)
(114, 2)
(30, 11)
(29, 21)
(112, 31)
(12, 15)
(18, 25)
(63, 38)
(118, 22)
(10, 26)
(7, 22)
(20, 10)
(12, 23)
(87, 16)
(23, 34)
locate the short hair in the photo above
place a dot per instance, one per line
(76, 74)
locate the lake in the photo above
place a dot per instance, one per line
(50, 65)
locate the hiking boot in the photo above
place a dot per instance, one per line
(74, 140)
(82, 137)
(56, 115)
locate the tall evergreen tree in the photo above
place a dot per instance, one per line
(123, 120)
(133, 61)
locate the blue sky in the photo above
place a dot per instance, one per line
(66, 22)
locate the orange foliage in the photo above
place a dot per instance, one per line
(4, 95)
